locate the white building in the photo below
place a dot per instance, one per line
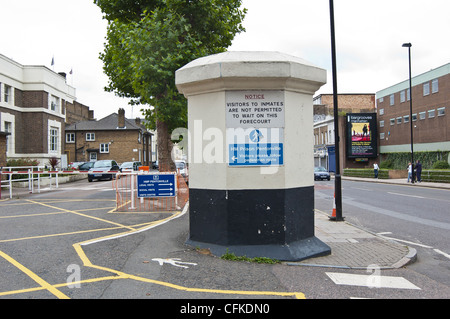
(33, 102)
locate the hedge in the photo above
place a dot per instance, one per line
(366, 173)
(437, 176)
(400, 160)
(428, 175)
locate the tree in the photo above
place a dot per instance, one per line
(148, 40)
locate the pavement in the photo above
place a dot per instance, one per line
(351, 246)
(356, 248)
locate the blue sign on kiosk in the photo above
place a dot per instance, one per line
(266, 154)
(156, 185)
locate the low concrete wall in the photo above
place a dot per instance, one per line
(398, 173)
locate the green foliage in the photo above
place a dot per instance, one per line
(21, 162)
(259, 260)
(387, 164)
(148, 40)
(436, 176)
(366, 173)
(441, 165)
(400, 160)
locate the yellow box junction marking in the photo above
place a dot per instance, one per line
(118, 274)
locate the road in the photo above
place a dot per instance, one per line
(55, 238)
(415, 216)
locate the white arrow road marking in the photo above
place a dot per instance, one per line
(370, 281)
(173, 262)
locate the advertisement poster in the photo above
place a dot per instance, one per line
(362, 135)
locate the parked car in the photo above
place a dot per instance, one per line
(321, 173)
(75, 165)
(86, 166)
(98, 171)
(155, 165)
(130, 166)
(183, 169)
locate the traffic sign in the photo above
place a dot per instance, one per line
(260, 154)
(156, 185)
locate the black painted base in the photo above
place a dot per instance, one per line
(276, 223)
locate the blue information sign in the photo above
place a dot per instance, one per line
(260, 154)
(156, 185)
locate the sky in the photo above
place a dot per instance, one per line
(369, 38)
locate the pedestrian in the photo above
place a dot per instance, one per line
(375, 169)
(409, 171)
(419, 171)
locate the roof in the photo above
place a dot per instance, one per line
(107, 123)
(416, 80)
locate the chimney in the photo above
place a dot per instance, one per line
(121, 120)
(137, 120)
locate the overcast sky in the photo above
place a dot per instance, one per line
(369, 37)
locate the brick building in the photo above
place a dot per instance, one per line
(431, 124)
(324, 149)
(114, 137)
(33, 103)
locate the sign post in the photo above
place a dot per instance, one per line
(250, 133)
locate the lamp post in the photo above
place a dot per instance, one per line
(337, 177)
(409, 45)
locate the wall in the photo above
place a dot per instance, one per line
(433, 132)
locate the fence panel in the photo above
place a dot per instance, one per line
(127, 199)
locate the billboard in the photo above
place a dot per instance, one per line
(362, 135)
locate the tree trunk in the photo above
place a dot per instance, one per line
(165, 146)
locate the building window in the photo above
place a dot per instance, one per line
(8, 129)
(54, 103)
(426, 89)
(402, 96)
(104, 148)
(381, 111)
(408, 94)
(435, 86)
(392, 122)
(7, 94)
(414, 117)
(441, 111)
(381, 100)
(399, 120)
(422, 115)
(90, 137)
(381, 136)
(70, 137)
(381, 123)
(392, 99)
(53, 139)
(406, 119)
(431, 114)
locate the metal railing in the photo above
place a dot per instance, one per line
(34, 175)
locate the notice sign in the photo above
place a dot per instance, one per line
(245, 109)
(156, 185)
(255, 128)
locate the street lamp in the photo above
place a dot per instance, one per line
(337, 176)
(409, 45)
